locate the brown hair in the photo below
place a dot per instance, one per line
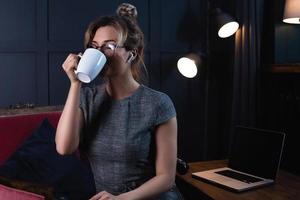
(130, 34)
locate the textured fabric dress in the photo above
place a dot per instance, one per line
(118, 136)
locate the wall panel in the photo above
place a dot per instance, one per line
(58, 81)
(17, 78)
(18, 20)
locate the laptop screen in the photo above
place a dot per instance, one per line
(256, 151)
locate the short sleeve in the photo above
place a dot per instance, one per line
(83, 105)
(165, 109)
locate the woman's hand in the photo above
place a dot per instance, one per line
(70, 65)
(105, 196)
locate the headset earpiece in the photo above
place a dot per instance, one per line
(130, 57)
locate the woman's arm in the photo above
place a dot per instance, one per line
(71, 120)
(70, 123)
(166, 141)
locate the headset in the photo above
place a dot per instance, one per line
(130, 58)
(132, 55)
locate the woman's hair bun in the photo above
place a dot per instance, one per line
(127, 10)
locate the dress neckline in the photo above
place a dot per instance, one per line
(134, 93)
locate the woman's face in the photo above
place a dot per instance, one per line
(107, 39)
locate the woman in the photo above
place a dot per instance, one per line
(127, 130)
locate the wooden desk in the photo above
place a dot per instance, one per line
(287, 186)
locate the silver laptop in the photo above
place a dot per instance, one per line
(253, 162)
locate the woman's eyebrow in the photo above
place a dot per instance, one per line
(105, 41)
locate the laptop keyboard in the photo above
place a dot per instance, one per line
(239, 176)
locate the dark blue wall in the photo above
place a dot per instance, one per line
(286, 37)
(37, 35)
(287, 43)
(281, 91)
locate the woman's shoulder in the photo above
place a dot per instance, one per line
(155, 95)
(161, 105)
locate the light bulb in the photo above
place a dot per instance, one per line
(187, 67)
(228, 29)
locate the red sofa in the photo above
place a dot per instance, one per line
(69, 176)
(14, 130)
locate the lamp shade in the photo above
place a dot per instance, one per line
(188, 65)
(292, 12)
(226, 25)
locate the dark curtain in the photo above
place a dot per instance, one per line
(247, 66)
(233, 77)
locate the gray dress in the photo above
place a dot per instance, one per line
(118, 136)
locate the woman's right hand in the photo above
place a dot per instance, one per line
(70, 65)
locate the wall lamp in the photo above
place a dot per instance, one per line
(226, 26)
(188, 65)
(292, 12)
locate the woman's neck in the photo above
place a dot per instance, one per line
(120, 88)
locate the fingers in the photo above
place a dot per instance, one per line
(79, 55)
(69, 65)
(97, 196)
(103, 196)
(71, 62)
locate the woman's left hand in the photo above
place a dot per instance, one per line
(105, 196)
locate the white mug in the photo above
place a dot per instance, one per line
(91, 63)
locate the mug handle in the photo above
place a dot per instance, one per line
(79, 55)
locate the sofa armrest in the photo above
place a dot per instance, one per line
(36, 188)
